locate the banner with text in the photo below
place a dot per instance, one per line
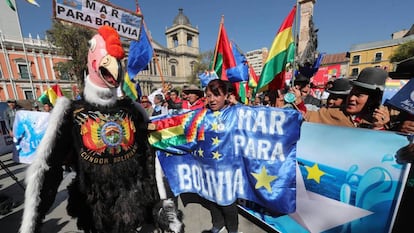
(241, 152)
(96, 13)
(350, 183)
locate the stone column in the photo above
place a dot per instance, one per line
(306, 12)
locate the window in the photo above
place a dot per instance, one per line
(378, 57)
(1, 73)
(189, 40)
(24, 72)
(175, 40)
(65, 76)
(354, 72)
(355, 59)
(28, 94)
(172, 70)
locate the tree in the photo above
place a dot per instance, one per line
(202, 64)
(73, 42)
(403, 51)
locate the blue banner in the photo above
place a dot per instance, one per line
(28, 129)
(242, 152)
(348, 181)
(404, 98)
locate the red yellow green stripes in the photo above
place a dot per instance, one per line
(281, 52)
(177, 130)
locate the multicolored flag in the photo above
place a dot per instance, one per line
(140, 54)
(128, 87)
(51, 95)
(238, 152)
(253, 78)
(281, 53)
(230, 64)
(223, 58)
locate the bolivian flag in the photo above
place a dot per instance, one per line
(281, 53)
(51, 95)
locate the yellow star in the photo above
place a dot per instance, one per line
(216, 155)
(200, 152)
(168, 154)
(216, 140)
(214, 126)
(314, 173)
(216, 113)
(263, 179)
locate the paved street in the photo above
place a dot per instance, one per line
(196, 217)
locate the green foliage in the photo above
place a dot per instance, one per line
(202, 64)
(403, 51)
(73, 42)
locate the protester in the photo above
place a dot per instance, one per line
(221, 216)
(338, 92)
(302, 83)
(195, 98)
(47, 107)
(146, 104)
(174, 102)
(159, 108)
(10, 114)
(362, 108)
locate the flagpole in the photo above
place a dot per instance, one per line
(295, 39)
(25, 53)
(153, 50)
(217, 43)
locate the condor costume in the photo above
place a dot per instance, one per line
(105, 140)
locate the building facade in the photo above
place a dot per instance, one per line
(28, 69)
(175, 63)
(256, 59)
(374, 54)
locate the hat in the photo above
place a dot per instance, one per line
(144, 99)
(340, 86)
(11, 101)
(194, 90)
(404, 70)
(372, 78)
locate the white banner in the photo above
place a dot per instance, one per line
(96, 13)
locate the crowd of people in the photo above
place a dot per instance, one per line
(350, 103)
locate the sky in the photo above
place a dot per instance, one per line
(253, 24)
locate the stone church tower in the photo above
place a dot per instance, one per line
(182, 39)
(177, 60)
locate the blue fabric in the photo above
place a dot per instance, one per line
(240, 72)
(238, 142)
(140, 54)
(311, 70)
(403, 99)
(206, 77)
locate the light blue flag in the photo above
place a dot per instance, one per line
(140, 54)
